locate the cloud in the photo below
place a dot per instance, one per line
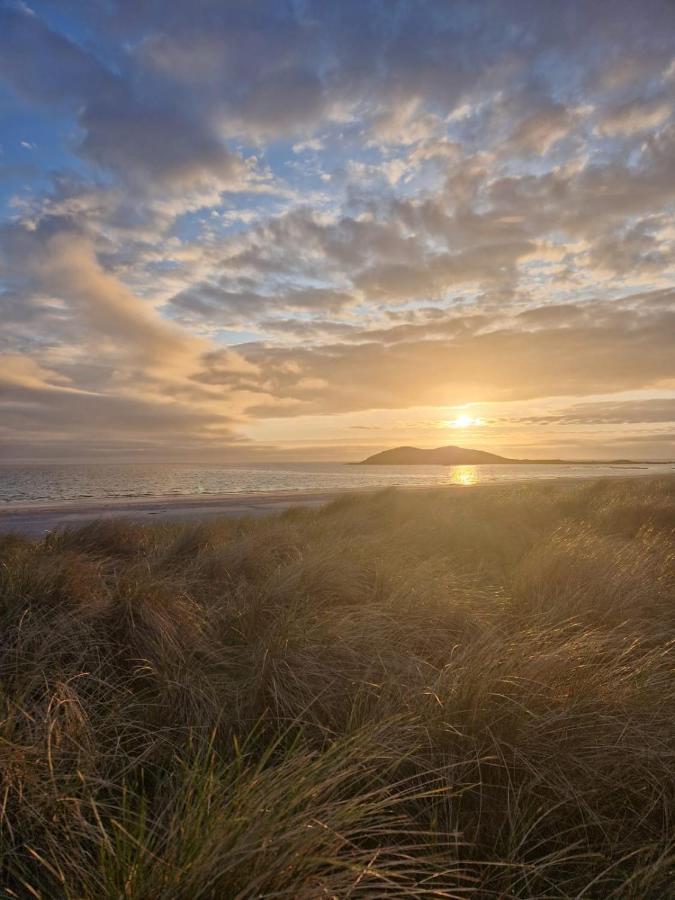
(159, 145)
(17, 371)
(384, 205)
(63, 264)
(538, 132)
(635, 117)
(36, 421)
(431, 276)
(619, 352)
(43, 65)
(129, 378)
(612, 412)
(398, 252)
(592, 200)
(146, 141)
(219, 306)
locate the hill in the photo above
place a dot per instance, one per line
(439, 456)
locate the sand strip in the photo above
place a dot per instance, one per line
(35, 518)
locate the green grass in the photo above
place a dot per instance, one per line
(459, 693)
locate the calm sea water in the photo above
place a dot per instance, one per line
(100, 481)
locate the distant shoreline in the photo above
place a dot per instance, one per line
(530, 462)
(468, 456)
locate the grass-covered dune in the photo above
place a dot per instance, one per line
(444, 694)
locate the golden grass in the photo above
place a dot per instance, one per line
(442, 694)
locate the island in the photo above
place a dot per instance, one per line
(462, 456)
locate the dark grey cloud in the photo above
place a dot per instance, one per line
(142, 136)
(636, 248)
(148, 144)
(589, 200)
(45, 66)
(400, 251)
(223, 307)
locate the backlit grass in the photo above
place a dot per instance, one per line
(435, 694)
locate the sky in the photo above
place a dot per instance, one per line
(298, 229)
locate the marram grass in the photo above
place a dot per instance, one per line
(436, 694)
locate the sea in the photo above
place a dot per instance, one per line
(105, 481)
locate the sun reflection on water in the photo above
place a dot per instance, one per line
(465, 475)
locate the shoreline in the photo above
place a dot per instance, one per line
(36, 518)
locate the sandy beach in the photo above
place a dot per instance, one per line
(35, 518)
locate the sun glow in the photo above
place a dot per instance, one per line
(465, 421)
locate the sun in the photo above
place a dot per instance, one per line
(462, 421)
(465, 421)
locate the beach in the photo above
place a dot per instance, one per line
(34, 519)
(37, 499)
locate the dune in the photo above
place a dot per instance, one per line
(405, 694)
